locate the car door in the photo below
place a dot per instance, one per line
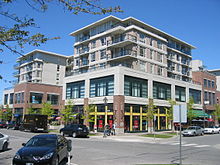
(62, 147)
(1, 141)
(66, 129)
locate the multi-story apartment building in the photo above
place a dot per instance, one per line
(118, 64)
(41, 67)
(40, 77)
(216, 72)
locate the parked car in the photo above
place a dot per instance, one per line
(13, 125)
(4, 142)
(3, 124)
(193, 131)
(45, 149)
(211, 130)
(75, 130)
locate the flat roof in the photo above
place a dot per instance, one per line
(214, 70)
(43, 51)
(111, 17)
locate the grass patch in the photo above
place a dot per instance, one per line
(158, 135)
(54, 130)
(94, 134)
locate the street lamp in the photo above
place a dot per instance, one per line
(105, 102)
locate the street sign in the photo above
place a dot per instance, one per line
(177, 109)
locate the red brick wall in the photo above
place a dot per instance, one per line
(118, 106)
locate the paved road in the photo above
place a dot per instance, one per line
(124, 150)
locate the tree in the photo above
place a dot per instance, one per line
(19, 34)
(190, 114)
(150, 114)
(47, 109)
(170, 112)
(6, 114)
(216, 113)
(31, 110)
(88, 115)
(67, 112)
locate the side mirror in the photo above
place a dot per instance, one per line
(69, 145)
(23, 144)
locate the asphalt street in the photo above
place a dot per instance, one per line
(131, 149)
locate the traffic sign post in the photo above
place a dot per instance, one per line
(180, 116)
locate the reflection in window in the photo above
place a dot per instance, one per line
(36, 98)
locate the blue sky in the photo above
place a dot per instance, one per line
(194, 21)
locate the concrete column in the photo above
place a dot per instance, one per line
(118, 107)
(150, 88)
(187, 94)
(173, 92)
(118, 83)
(87, 87)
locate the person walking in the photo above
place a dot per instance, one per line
(113, 129)
(106, 131)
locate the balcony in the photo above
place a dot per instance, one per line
(122, 55)
(16, 66)
(122, 41)
(83, 51)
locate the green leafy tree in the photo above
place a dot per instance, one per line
(47, 109)
(67, 112)
(20, 30)
(31, 110)
(170, 112)
(6, 113)
(88, 116)
(150, 114)
(190, 114)
(216, 113)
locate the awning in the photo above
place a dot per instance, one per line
(199, 113)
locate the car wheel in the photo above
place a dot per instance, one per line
(194, 134)
(5, 146)
(74, 134)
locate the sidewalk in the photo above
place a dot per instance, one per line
(135, 137)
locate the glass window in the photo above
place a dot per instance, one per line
(5, 99)
(196, 95)
(102, 86)
(103, 41)
(102, 54)
(92, 57)
(11, 98)
(53, 99)
(159, 44)
(161, 91)
(142, 51)
(36, 98)
(205, 83)
(180, 94)
(75, 90)
(135, 87)
(213, 84)
(142, 37)
(209, 83)
(93, 44)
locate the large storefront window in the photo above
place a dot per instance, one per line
(53, 99)
(36, 98)
(5, 99)
(135, 87)
(161, 91)
(180, 94)
(75, 90)
(11, 99)
(102, 86)
(196, 95)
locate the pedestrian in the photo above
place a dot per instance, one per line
(113, 129)
(106, 130)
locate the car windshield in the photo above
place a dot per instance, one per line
(39, 142)
(211, 127)
(190, 128)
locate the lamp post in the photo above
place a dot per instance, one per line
(105, 103)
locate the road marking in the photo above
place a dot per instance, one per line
(200, 146)
(174, 144)
(187, 145)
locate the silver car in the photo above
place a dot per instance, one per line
(193, 131)
(4, 142)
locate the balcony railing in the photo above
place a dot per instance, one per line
(123, 53)
(126, 37)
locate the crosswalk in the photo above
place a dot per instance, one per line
(184, 144)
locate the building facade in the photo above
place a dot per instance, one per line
(40, 77)
(119, 64)
(208, 82)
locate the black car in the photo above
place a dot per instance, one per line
(45, 149)
(75, 130)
